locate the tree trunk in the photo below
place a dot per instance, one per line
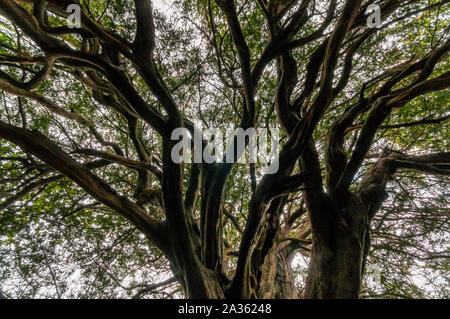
(267, 271)
(335, 268)
(203, 284)
(277, 278)
(338, 253)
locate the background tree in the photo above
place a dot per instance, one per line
(92, 204)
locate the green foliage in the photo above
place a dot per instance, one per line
(56, 241)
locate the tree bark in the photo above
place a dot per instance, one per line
(340, 238)
(336, 266)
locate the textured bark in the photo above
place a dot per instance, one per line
(337, 259)
(277, 278)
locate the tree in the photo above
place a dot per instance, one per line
(86, 147)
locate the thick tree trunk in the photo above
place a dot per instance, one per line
(336, 267)
(267, 270)
(277, 278)
(208, 287)
(338, 252)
